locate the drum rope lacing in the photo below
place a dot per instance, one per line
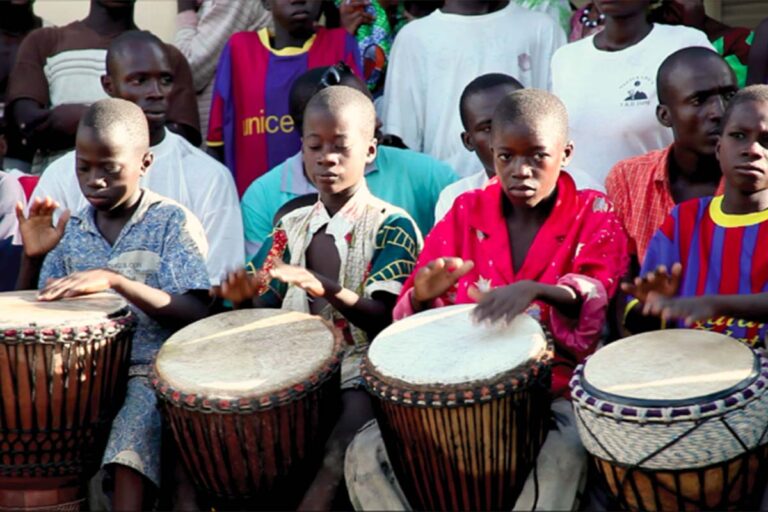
(715, 410)
(694, 412)
(247, 405)
(630, 469)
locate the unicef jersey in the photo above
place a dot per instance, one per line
(720, 253)
(249, 110)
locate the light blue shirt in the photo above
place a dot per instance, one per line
(413, 181)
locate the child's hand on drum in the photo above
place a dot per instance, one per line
(504, 303)
(79, 283)
(293, 275)
(239, 286)
(436, 278)
(38, 233)
(688, 309)
(660, 281)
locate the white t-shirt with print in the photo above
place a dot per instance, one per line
(611, 96)
(435, 57)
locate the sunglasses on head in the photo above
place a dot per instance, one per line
(334, 74)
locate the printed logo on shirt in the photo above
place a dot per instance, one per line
(261, 124)
(636, 91)
(524, 62)
(136, 265)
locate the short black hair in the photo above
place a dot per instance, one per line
(340, 97)
(691, 57)
(124, 40)
(308, 83)
(484, 83)
(530, 107)
(750, 94)
(116, 116)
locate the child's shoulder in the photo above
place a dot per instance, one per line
(163, 211)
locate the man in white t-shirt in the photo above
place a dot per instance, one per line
(435, 57)
(476, 107)
(609, 87)
(138, 70)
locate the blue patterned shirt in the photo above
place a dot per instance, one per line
(163, 246)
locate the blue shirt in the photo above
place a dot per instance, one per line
(404, 178)
(162, 245)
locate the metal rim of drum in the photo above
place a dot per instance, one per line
(426, 396)
(116, 322)
(607, 404)
(255, 403)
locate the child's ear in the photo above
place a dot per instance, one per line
(372, 151)
(146, 161)
(567, 154)
(106, 84)
(663, 115)
(717, 149)
(466, 139)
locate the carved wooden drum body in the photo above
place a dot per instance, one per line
(63, 369)
(463, 409)
(251, 396)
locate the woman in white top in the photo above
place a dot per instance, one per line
(608, 83)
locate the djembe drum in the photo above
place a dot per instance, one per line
(463, 409)
(251, 396)
(63, 368)
(676, 420)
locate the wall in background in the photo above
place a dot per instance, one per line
(157, 16)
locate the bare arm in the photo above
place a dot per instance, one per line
(50, 129)
(757, 65)
(172, 310)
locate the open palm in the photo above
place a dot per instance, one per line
(38, 233)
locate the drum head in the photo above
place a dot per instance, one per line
(443, 346)
(670, 367)
(245, 353)
(22, 310)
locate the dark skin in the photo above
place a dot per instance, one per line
(142, 74)
(55, 128)
(294, 21)
(108, 170)
(626, 24)
(757, 65)
(294, 24)
(693, 106)
(471, 7)
(478, 111)
(743, 155)
(528, 160)
(336, 148)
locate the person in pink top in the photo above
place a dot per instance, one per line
(530, 242)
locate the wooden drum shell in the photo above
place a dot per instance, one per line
(736, 484)
(255, 458)
(59, 391)
(473, 456)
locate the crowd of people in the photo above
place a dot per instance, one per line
(603, 169)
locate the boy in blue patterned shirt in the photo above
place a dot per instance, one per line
(147, 248)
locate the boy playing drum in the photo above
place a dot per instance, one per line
(147, 248)
(530, 242)
(344, 258)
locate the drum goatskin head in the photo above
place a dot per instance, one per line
(245, 353)
(20, 310)
(444, 346)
